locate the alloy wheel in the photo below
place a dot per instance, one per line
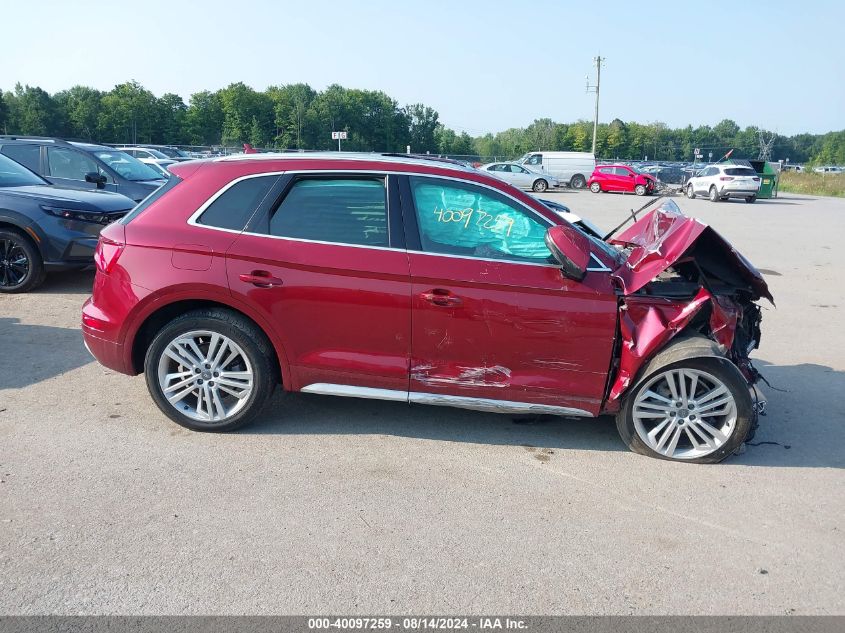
(205, 376)
(685, 413)
(14, 263)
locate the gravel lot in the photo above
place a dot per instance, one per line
(336, 505)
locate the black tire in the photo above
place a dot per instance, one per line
(21, 266)
(690, 192)
(540, 185)
(245, 334)
(751, 199)
(718, 367)
(714, 195)
(640, 190)
(577, 181)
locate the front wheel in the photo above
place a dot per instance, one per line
(540, 186)
(210, 370)
(695, 410)
(21, 266)
(751, 199)
(595, 187)
(639, 190)
(690, 192)
(714, 195)
(578, 181)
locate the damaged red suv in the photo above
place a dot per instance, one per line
(420, 281)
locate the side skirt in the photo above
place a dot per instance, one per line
(460, 402)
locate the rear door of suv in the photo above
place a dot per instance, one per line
(325, 263)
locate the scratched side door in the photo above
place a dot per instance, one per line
(492, 316)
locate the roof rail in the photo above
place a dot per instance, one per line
(438, 159)
(25, 137)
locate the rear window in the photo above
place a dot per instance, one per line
(342, 211)
(740, 171)
(27, 155)
(234, 207)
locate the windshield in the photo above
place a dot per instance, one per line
(13, 174)
(158, 154)
(128, 167)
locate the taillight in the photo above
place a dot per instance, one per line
(726, 177)
(107, 253)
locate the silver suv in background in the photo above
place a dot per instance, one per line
(721, 182)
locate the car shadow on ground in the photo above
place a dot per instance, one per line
(67, 282)
(804, 428)
(33, 353)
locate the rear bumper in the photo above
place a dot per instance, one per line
(737, 193)
(96, 337)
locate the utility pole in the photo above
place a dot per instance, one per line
(598, 61)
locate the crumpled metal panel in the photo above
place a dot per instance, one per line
(661, 237)
(647, 324)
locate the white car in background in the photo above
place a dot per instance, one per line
(571, 168)
(519, 176)
(148, 155)
(720, 182)
(828, 169)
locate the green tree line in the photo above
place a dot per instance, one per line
(295, 116)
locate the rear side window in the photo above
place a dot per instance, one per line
(740, 171)
(233, 208)
(338, 210)
(27, 155)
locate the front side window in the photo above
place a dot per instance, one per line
(233, 208)
(536, 159)
(339, 210)
(462, 219)
(69, 163)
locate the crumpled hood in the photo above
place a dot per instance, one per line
(665, 235)
(94, 200)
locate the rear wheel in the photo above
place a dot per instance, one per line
(210, 370)
(751, 199)
(595, 187)
(696, 410)
(714, 195)
(540, 185)
(639, 190)
(21, 266)
(578, 181)
(690, 192)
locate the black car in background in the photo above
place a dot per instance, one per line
(83, 165)
(45, 227)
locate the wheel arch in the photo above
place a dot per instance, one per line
(21, 224)
(162, 314)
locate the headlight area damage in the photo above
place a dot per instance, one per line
(681, 275)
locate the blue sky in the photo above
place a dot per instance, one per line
(485, 66)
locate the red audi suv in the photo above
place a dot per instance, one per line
(396, 278)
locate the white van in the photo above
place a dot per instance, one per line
(572, 168)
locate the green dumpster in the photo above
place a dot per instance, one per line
(769, 174)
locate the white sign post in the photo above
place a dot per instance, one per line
(338, 136)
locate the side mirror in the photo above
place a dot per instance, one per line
(98, 179)
(571, 249)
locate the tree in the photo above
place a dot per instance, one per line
(4, 113)
(204, 119)
(82, 106)
(241, 104)
(129, 114)
(171, 119)
(422, 125)
(32, 111)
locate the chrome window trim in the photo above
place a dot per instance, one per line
(192, 220)
(436, 399)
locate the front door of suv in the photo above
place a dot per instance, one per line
(493, 318)
(322, 264)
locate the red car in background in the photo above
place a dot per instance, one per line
(621, 178)
(418, 281)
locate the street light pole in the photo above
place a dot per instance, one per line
(599, 60)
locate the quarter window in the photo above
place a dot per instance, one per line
(26, 154)
(339, 210)
(233, 208)
(459, 219)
